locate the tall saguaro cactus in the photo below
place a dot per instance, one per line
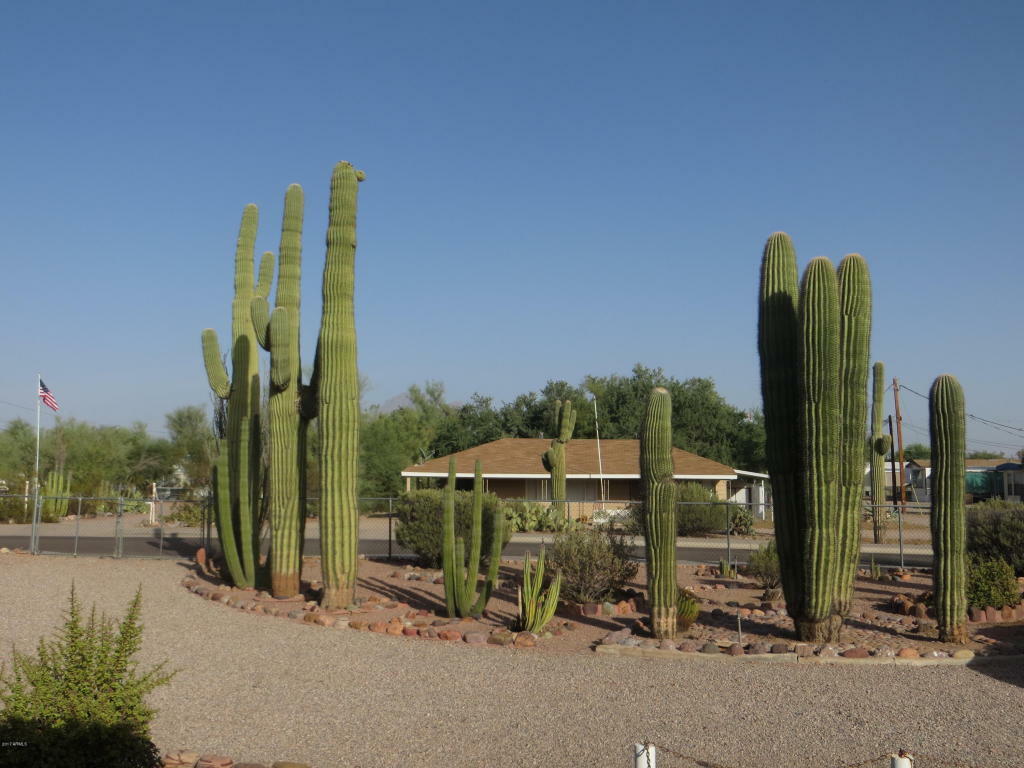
(238, 489)
(854, 358)
(879, 445)
(279, 333)
(947, 428)
(659, 488)
(461, 575)
(554, 457)
(814, 359)
(336, 381)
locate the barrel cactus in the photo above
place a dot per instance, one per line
(813, 346)
(947, 428)
(554, 457)
(659, 490)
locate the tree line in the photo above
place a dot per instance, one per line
(102, 459)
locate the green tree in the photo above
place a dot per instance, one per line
(192, 444)
(916, 451)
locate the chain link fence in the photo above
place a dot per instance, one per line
(173, 524)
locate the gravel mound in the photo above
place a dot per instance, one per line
(261, 690)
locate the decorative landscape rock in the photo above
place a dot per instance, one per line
(710, 648)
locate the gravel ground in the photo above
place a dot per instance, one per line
(260, 689)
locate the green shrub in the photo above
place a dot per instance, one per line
(191, 513)
(699, 511)
(529, 516)
(990, 582)
(593, 562)
(419, 522)
(763, 565)
(15, 508)
(80, 703)
(995, 530)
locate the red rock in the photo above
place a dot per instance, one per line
(622, 608)
(476, 638)
(743, 611)
(360, 625)
(429, 632)
(181, 757)
(977, 615)
(214, 761)
(395, 629)
(378, 626)
(735, 650)
(908, 653)
(450, 634)
(591, 609)
(410, 631)
(1007, 613)
(757, 612)
(310, 618)
(324, 620)
(855, 653)
(992, 615)
(525, 640)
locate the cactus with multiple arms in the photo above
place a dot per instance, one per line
(461, 575)
(336, 383)
(536, 607)
(659, 488)
(554, 457)
(240, 472)
(854, 343)
(946, 423)
(279, 333)
(814, 356)
(879, 445)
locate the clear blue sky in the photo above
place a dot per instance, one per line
(554, 189)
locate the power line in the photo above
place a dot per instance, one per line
(1016, 431)
(15, 405)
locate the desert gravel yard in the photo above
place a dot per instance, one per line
(261, 690)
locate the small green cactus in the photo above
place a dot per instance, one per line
(878, 447)
(949, 529)
(554, 457)
(687, 610)
(461, 577)
(537, 606)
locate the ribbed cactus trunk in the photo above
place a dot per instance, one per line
(854, 358)
(814, 358)
(879, 445)
(947, 428)
(338, 396)
(819, 428)
(779, 348)
(554, 457)
(461, 575)
(279, 333)
(659, 489)
(238, 512)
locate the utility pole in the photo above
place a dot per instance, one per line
(899, 436)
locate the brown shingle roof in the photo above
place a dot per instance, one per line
(969, 463)
(521, 457)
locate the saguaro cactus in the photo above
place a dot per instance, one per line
(879, 445)
(659, 489)
(461, 575)
(237, 511)
(947, 428)
(814, 351)
(554, 457)
(336, 382)
(279, 333)
(779, 349)
(854, 357)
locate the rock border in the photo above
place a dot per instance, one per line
(783, 658)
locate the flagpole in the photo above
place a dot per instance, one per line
(35, 504)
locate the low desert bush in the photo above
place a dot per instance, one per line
(420, 515)
(763, 566)
(990, 582)
(995, 529)
(593, 562)
(80, 701)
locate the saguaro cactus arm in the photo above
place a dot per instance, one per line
(216, 373)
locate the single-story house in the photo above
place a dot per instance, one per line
(985, 478)
(597, 472)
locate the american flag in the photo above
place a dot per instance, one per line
(47, 397)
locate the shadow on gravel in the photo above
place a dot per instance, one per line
(77, 744)
(1007, 669)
